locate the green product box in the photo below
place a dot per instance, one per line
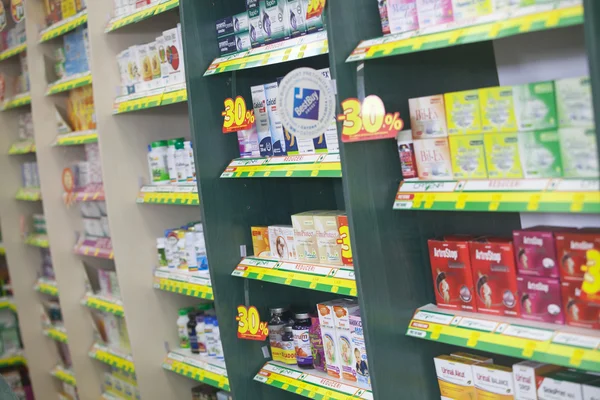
(272, 15)
(497, 109)
(574, 102)
(535, 106)
(578, 152)
(468, 157)
(502, 155)
(540, 154)
(463, 113)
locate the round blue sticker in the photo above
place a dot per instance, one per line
(306, 103)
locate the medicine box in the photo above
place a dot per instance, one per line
(455, 377)
(452, 275)
(275, 125)
(473, 357)
(271, 14)
(574, 102)
(359, 349)
(402, 16)
(341, 316)
(535, 106)
(494, 276)
(578, 311)
(295, 18)
(234, 24)
(327, 230)
(434, 12)
(330, 344)
(259, 102)
(174, 72)
(493, 382)
(428, 117)
(260, 241)
(255, 26)
(563, 384)
(433, 159)
(536, 252)
(468, 157)
(526, 375)
(248, 142)
(540, 299)
(282, 242)
(315, 23)
(463, 112)
(572, 250)
(497, 109)
(306, 237)
(578, 151)
(234, 43)
(93, 227)
(469, 10)
(502, 155)
(540, 154)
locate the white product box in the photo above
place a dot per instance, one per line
(275, 125)
(175, 69)
(455, 377)
(329, 336)
(359, 349)
(93, 227)
(259, 102)
(341, 316)
(282, 242)
(327, 229)
(306, 237)
(524, 376)
(493, 381)
(123, 62)
(271, 14)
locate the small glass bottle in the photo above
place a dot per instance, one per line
(287, 346)
(276, 330)
(301, 330)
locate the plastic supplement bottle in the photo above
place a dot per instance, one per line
(182, 162)
(191, 330)
(191, 174)
(171, 160)
(287, 346)
(182, 328)
(157, 161)
(301, 330)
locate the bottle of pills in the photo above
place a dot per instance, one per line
(301, 331)
(277, 324)
(287, 346)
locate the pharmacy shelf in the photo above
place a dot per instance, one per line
(94, 247)
(8, 303)
(29, 194)
(548, 343)
(194, 285)
(22, 147)
(202, 369)
(90, 193)
(37, 240)
(518, 195)
(63, 374)
(69, 83)
(140, 15)
(321, 277)
(13, 51)
(56, 333)
(313, 384)
(143, 101)
(46, 286)
(76, 138)
(289, 50)
(19, 100)
(104, 304)
(12, 360)
(169, 194)
(307, 166)
(111, 357)
(488, 28)
(2, 249)
(64, 26)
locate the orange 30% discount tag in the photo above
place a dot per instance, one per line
(315, 8)
(250, 327)
(368, 120)
(236, 116)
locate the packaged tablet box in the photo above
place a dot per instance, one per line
(469, 10)
(175, 71)
(468, 157)
(402, 16)
(234, 43)
(535, 106)
(455, 377)
(260, 241)
(342, 312)
(295, 18)
(562, 384)
(383, 16)
(271, 14)
(155, 66)
(428, 117)
(298, 146)
(327, 229)
(473, 357)
(359, 349)
(329, 336)
(259, 102)
(434, 12)
(123, 62)
(578, 311)
(494, 276)
(134, 70)
(314, 23)
(540, 299)
(493, 382)
(497, 109)
(572, 250)
(282, 242)
(305, 236)
(525, 377)
(452, 275)
(248, 142)
(143, 61)
(463, 112)
(536, 252)
(255, 25)
(574, 102)
(433, 159)
(502, 155)
(578, 151)
(275, 125)
(540, 154)
(235, 24)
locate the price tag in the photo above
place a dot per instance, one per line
(236, 116)
(250, 327)
(368, 120)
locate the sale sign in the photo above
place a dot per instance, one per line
(236, 116)
(250, 327)
(368, 120)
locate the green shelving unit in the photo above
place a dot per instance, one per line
(392, 276)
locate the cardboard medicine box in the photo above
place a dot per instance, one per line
(235, 24)
(540, 299)
(574, 102)
(463, 112)
(295, 18)
(494, 276)
(578, 311)
(174, 72)
(306, 237)
(433, 159)
(563, 384)
(428, 117)
(572, 250)
(502, 155)
(234, 43)
(341, 317)
(327, 229)
(329, 336)
(434, 12)
(452, 275)
(525, 377)
(359, 349)
(578, 151)
(536, 252)
(535, 106)
(468, 157)
(497, 109)
(260, 241)
(255, 25)
(271, 14)
(402, 16)
(455, 377)
(493, 382)
(282, 242)
(540, 154)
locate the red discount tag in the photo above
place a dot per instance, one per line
(236, 116)
(368, 120)
(250, 327)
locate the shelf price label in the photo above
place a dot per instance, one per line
(237, 117)
(250, 327)
(368, 120)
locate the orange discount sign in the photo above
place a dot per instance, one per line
(315, 8)
(250, 327)
(368, 120)
(236, 116)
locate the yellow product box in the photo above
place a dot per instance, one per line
(497, 109)
(493, 382)
(502, 155)
(260, 241)
(470, 9)
(468, 157)
(463, 112)
(455, 377)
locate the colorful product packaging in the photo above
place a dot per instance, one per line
(434, 12)
(468, 10)
(468, 157)
(344, 240)
(248, 142)
(295, 18)
(463, 112)
(578, 311)
(428, 117)
(525, 377)
(260, 241)
(497, 109)
(259, 101)
(502, 155)
(455, 377)
(433, 159)
(540, 154)
(329, 336)
(574, 102)
(494, 276)
(234, 43)
(574, 251)
(275, 126)
(383, 15)
(452, 275)
(359, 349)
(406, 150)
(327, 230)
(298, 146)
(282, 242)
(493, 382)
(402, 16)
(341, 316)
(306, 237)
(255, 25)
(174, 72)
(540, 299)
(535, 106)
(562, 384)
(578, 151)
(271, 14)
(316, 344)
(235, 24)
(536, 252)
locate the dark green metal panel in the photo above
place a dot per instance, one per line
(591, 17)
